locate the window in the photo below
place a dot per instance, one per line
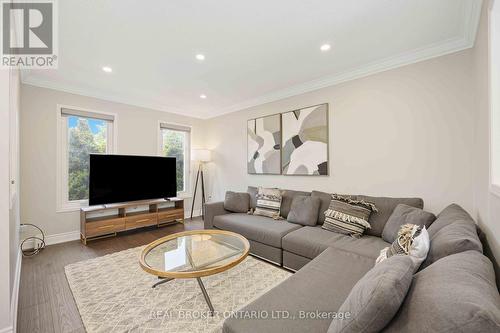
(175, 142)
(81, 133)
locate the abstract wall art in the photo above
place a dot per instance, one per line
(264, 145)
(305, 141)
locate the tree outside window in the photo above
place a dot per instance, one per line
(174, 145)
(85, 136)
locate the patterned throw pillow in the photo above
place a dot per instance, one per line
(348, 216)
(412, 240)
(268, 202)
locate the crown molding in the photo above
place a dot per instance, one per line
(28, 79)
(472, 15)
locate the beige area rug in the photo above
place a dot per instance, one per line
(114, 294)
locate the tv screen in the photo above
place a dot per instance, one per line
(120, 178)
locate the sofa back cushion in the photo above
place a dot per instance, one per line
(287, 199)
(376, 297)
(458, 236)
(252, 190)
(404, 214)
(325, 199)
(237, 202)
(450, 214)
(455, 294)
(385, 208)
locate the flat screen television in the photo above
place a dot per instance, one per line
(121, 178)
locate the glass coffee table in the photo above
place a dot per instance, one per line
(194, 254)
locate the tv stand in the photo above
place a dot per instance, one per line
(108, 220)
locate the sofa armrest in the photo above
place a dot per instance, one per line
(212, 209)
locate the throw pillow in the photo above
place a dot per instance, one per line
(348, 216)
(304, 210)
(268, 202)
(404, 214)
(413, 240)
(237, 202)
(376, 297)
(456, 237)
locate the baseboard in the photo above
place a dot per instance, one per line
(196, 213)
(62, 237)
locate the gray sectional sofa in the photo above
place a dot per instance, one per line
(454, 290)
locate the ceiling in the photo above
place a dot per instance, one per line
(255, 51)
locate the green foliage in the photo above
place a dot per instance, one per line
(173, 146)
(82, 142)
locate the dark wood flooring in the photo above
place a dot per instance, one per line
(46, 303)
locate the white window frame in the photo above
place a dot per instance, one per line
(494, 119)
(187, 152)
(63, 202)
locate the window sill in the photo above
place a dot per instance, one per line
(68, 209)
(72, 206)
(495, 190)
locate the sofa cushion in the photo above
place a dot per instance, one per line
(325, 199)
(287, 200)
(385, 208)
(237, 202)
(304, 210)
(252, 190)
(309, 242)
(449, 215)
(404, 214)
(376, 297)
(456, 237)
(308, 290)
(455, 294)
(257, 228)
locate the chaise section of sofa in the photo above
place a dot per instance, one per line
(265, 234)
(303, 245)
(297, 304)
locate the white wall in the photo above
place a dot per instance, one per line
(486, 204)
(404, 132)
(137, 135)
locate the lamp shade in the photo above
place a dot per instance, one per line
(201, 155)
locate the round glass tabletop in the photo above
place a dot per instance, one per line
(194, 253)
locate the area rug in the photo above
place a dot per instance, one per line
(114, 294)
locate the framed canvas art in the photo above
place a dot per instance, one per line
(264, 145)
(305, 141)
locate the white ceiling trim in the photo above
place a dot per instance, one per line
(472, 14)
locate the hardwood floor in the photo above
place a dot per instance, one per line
(46, 303)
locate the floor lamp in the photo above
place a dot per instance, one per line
(201, 156)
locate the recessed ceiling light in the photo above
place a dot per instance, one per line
(203, 96)
(200, 57)
(325, 47)
(107, 69)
